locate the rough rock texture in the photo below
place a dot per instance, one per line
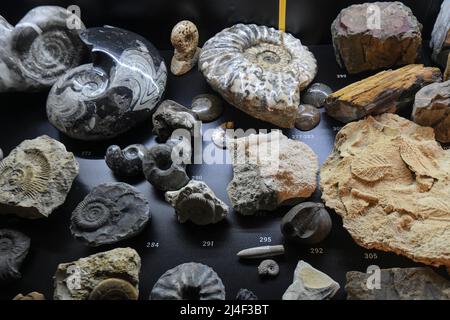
(377, 35)
(310, 284)
(30, 296)
(111, 212)
(390, 181)
(259, 70)
(198, 203)
(447, 69)
(14, 246)
(440, 37)
(387, 91)
(36, 177)
(76, 280)
(399, 284)
(432, 109)
(270, 170)
(245, 294)
(184, 38)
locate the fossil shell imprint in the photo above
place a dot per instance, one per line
(260, 70)
(14, 247)
(189, 281)
(114, 289)
(126, 162)
(111, 212)
(39, 49)
(118, 90)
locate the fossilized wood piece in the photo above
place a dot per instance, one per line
(270, 170)
(440, 37)
(36, 177)
(405, 206)
(399, 284)
(259, 70)
(76, 280)
(310, 284)
(261, 252)
(387, 91)
(377, 35)
(432, 109)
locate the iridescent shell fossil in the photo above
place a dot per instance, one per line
(184, 38)
(260, 70)
(245, 294)
(114, 289)
(111, 212)
(189, 281)
(268, 267)
(126, 162)
(14, 247)
(120, 89)
(39, 49)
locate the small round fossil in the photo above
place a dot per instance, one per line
(14, 247)
(30, 296)
(316, 94)
(307, 222)
(208, 107)
(114, 289)
(245, 294)
(126, 162)
(308, 117)
(222, 134)
(268, 267)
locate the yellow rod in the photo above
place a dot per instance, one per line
(282, 15)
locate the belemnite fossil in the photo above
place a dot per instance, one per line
(308, 117)
(245, 294)
(184, 38)
(30, 296)
(189, 281)
(260, 70)
(120, 89)
(114, 289)
(111, 212)
(207, 107)
(39, 49)
(269, 268)
(126, 162)
(14, 246)
(307, 223)
(316, 94)
(196, 202)
(261, 252)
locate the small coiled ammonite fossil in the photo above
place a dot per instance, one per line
(126, 162)
(268, 267)
(114, 289)
(14, 247)
(189, 281)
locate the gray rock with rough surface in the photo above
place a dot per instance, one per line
(440, 37)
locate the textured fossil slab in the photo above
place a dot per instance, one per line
(440, 37)
(310, 284)
(36, 177)
(111, 212)
(399, 284)
(389, 180)
(184, 38)
(432, 109)
(377, 35)
(196, 202)
(270, 170)
(120, 89)
(387, 91)
(14, 246)
(76, 280)
(39, 49)
(259, 70)
(189, 281)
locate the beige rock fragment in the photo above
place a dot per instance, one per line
(184, 38)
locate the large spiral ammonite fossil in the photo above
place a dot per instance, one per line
(260, 70)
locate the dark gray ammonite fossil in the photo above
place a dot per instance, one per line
(126, 162)
(14, 246)
(189, 281)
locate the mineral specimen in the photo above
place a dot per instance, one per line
(389, 180)
(36, 177)
(189, 281)
(197, 203)
(270, 170)
(310, 284)
(398, 284)
(207, 107)
(184, 38)
(245, 294)
(307, 222)
(376, 35)
(260, 70)
(440, 37)
(268, 267)
(171, 116)
(114, 289)
(126, 162)
(261, 252)
(308, 117)
(432, 109)
(316, 94)
(223, 134)
(76, 280)
(14, 247)
(120, 89)
(111, 212)
(39, 49)
(387, 91)
(30, 296)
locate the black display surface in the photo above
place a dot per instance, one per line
(166, 243)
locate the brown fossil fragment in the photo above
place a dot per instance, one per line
(447, 69)
(390, 181)
(386, 91)
(31, 296)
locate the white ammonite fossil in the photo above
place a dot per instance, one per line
(260, 70)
